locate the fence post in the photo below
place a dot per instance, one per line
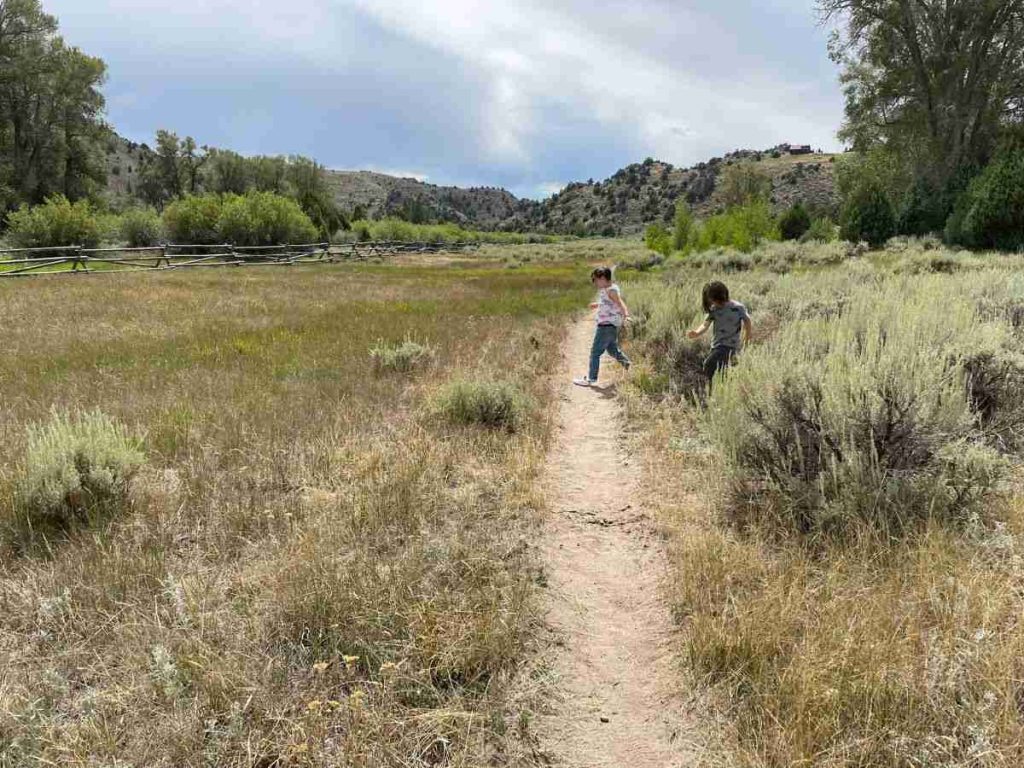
(78, 259)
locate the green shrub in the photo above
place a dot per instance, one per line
(991, 215)
(401, 357)
(399, 230)
(953, 233)
(263, 218)
(794, 223)
(924, 210)
(658, 239)
(683, 226)
(489, 403)
(57, 222)
(821, 231)
(868, 216)
(742, 228)
(140, 227)
(77, 467)
(193, 220)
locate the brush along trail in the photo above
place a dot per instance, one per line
(617, 684)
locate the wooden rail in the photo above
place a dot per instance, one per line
(74, 259)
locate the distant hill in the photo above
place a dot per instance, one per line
(622, 204)
(123, 161)
(647, 192)
(381, 195)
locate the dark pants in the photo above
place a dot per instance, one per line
(719, 359)
(606, 339)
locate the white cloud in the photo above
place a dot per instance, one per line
(259, 28)
(548, 188)
(518, 91)
(535, 54)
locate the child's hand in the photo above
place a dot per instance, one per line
(692, 335)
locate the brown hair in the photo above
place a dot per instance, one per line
(714, 292)
(605, 272)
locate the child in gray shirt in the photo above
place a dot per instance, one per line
(732, 326)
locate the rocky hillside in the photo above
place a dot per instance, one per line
(123, 161)
(623, 204)
(379, 195)
(646, 192)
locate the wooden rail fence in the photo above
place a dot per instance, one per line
(74, 259)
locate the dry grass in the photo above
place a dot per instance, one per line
(872, 648)
(313, 570)
(612, 251)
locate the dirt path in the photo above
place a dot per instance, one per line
(612, 663)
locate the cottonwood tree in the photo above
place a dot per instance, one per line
(192, 160)
(174, 168)
(307, 184)
(934, 79)
(51, 129)
(228, 172)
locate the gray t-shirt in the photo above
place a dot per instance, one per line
(727, 321)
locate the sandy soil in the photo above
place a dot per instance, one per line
(618, 699)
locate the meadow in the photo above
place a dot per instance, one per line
(325, 554)
(844, 513)
(321, 557)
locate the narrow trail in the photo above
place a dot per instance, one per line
(618, 700)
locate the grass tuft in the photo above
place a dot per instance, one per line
(495, 404)
(401, 357)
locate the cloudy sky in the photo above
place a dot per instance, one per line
(524, 94)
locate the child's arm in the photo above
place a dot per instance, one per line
(696, 334)
(748, 329)
(617, 300)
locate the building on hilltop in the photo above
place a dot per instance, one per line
(795, 149)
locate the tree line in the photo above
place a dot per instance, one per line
(934, 114)
(177, 167)
(934, 93)
(54, 140)
(51, 126)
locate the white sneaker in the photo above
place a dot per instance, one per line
(583, 382)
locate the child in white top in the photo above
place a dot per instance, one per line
(612, 313)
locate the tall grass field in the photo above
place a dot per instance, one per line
(286, 518)
(844, 510)
(241, 524)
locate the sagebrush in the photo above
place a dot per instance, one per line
(401, 357)
(77, 465)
